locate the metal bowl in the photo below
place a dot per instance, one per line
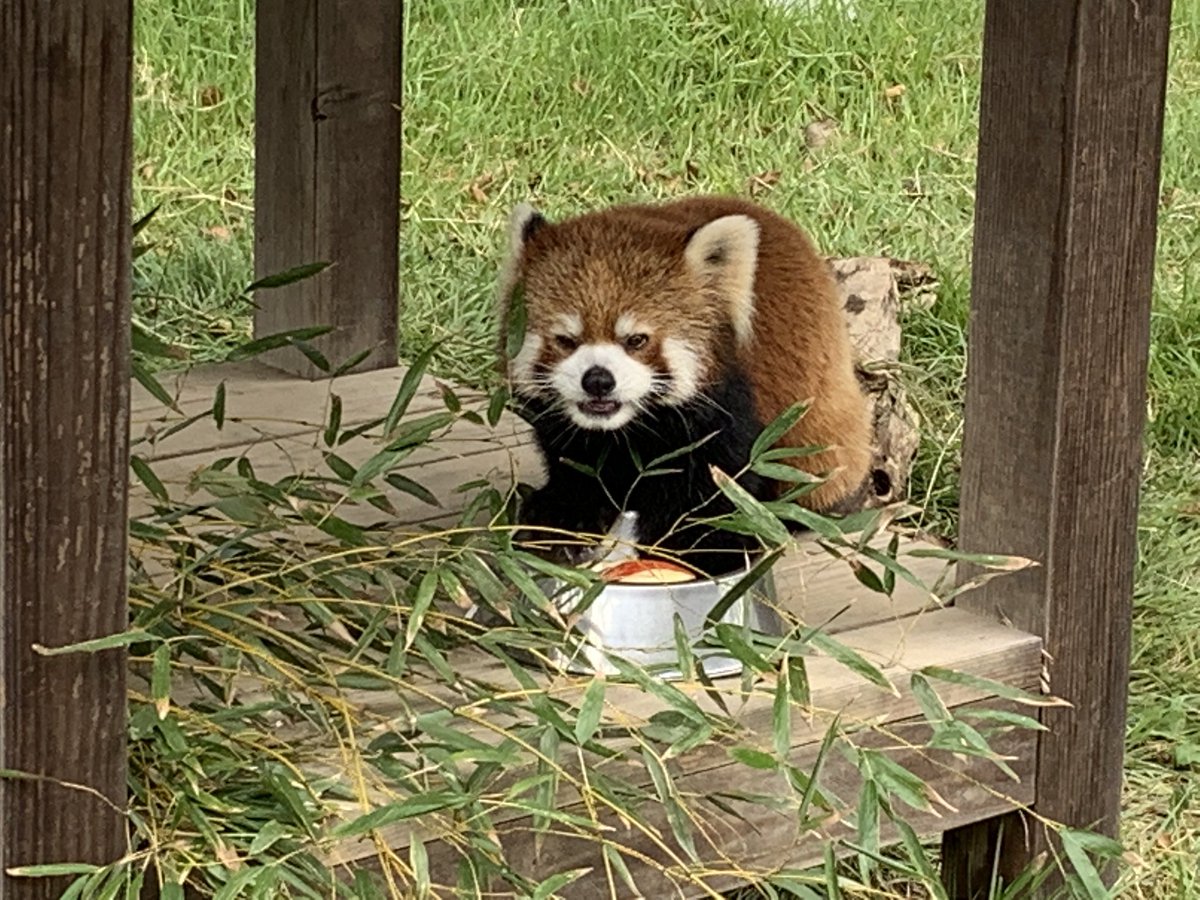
(637, 623)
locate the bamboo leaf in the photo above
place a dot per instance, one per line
(756, 759)
(421, 602)
(108, 642)
(931, 704)
(267, 836)
(744, 584)
(143, 377)
(420, 805)
(1089, 877)
(765, 523)
(683, 649)
(140, 224)
(517, 314)
(554, 882)
(989, 686)
(288, 276)
(984, 560)
(218, 407)
(50, 870)
(408, 486)
(590, 711)
(408, 388)
(274, 342)
(852, 660)
(781, 711)
(160, 680)
(782, 424)
(147, 477)
(496, 405)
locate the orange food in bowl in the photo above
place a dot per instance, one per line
(648, 571)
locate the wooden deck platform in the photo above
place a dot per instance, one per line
(276, 421)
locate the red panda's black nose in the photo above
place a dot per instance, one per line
(598, 381)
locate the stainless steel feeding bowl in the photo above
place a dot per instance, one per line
(636, 622)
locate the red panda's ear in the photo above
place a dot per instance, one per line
(522, 223)
(725, 254)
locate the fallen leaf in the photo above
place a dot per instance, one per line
(478, 185)
(896, 90)
(220, 232)
(817, 134)
(762, 182)
(1190, 510)
(146, 171)
(210, 95)
(227, 855)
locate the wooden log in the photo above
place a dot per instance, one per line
(327, 174)
(65, 242)
(870, 290)
(1070, 140)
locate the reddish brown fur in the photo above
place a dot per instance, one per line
(630, 258)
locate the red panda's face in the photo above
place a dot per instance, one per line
(625, 317)
(603, 370)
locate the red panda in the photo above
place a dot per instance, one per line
(650, 328)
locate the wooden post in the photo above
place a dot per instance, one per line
(65, 239)
(327, 174)
(1067, 196)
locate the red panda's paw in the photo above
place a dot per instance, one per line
(562, 529)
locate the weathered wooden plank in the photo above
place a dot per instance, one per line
(65, 240)
(949, 638)
(327, 173)
(1070, 136)
(467, 453)
(261, 403)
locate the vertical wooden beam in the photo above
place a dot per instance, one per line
(1066, 203)
(327, 173)
(65, 238)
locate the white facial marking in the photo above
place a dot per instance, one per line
(628, 325)
(520, 368)
(633, 379)
(570, 325)
(684, 365)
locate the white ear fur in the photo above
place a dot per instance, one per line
(725, 252)
(519, 221)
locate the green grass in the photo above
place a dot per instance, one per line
(576, 105)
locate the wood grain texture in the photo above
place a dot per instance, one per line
(1070, 140)
(65, 240)
(327, 173)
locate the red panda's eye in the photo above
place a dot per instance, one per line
(636, 341)
(566, 342)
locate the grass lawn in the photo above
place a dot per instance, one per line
(580, 104)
